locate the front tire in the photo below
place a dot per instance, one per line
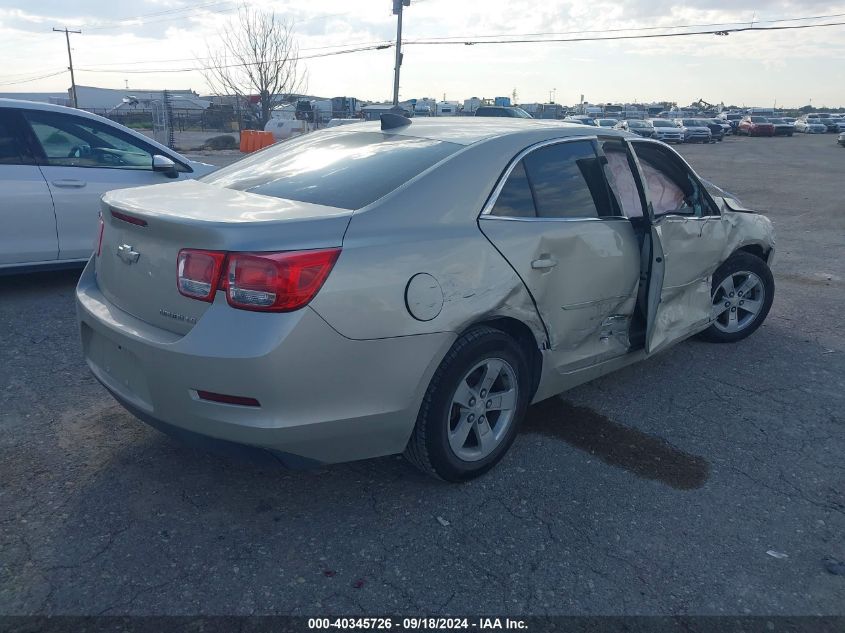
(472, 408)
(742, 293)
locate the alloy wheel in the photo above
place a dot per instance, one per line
(737, 301)
(482, 409)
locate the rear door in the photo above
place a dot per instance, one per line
(552, 217)
(28, 232)
(687, 239)
(82, 159)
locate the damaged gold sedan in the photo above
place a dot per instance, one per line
(411, 286)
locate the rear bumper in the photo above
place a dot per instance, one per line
(323, 397)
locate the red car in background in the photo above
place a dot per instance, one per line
(755, 126)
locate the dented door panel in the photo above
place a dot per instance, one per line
(691, 250)
(583, 276)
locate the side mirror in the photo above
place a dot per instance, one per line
(165, 165)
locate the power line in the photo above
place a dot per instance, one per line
(463, 39)
(478, 42)
(30, 79)
(200, 59)
(631, 29)
(243, 65)
(721, 31)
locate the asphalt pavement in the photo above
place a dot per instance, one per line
(707, 480)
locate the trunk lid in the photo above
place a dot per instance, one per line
(192, 214)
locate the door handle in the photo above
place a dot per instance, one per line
(543, 263)
(69, 183)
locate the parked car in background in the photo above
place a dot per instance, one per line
(55, 163)
(825, 118)
(840, 124)
(789, 119)
(581, 119)
(756, 126)
(782, 127)
(727, 129)
(842, 139)
(732, 119)
(607, 122)
(503, 111)
(810, 126)
(667, 131)
(638, 127)
(717, 130)
(695, 130)
(245, 305)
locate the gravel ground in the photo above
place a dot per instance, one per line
(707, 480)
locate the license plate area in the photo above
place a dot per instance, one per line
(117, 367)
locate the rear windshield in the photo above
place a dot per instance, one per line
(347, 170)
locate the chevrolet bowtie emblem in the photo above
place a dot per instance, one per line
(129, 256)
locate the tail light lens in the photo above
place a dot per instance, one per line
(198, 273)
(277, 282)
(263, 282)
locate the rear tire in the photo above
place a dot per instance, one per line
(483, 376)
(742, 293)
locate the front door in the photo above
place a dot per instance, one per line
(81, 160)
(687, 239)
(27, 221)
(553, 219)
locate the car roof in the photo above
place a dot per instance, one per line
(469, 130)
(22, 104)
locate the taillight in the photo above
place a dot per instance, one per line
(102, 226)
(198, 273)
(264, 282)
(277, 282)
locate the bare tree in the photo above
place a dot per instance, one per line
(256, 55)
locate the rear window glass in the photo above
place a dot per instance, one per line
(515, 200)
(347, 170)
(568, 181)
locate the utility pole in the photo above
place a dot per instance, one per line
(70, 62)
(397, 11)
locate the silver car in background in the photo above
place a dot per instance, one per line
(810, 126)
(695, 130)
(667, 131)
(410, 287)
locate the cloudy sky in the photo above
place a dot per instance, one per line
(138, 41)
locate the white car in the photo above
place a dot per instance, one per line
(810, 126)
(55, 163)
(607, 122)
(667, 131)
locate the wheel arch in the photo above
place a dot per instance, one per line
(524, 337)
(758, 250)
